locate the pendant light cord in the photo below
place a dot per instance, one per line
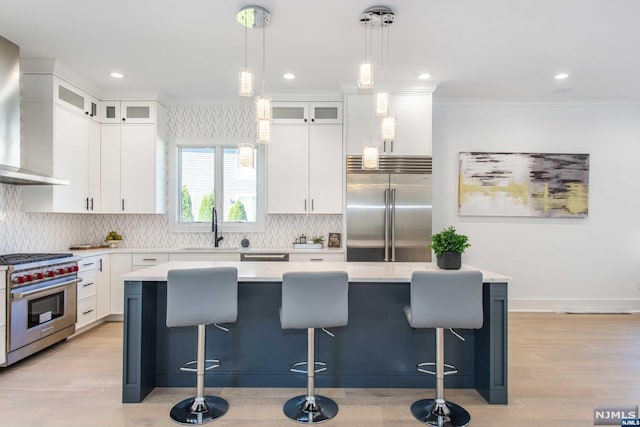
(245, 39)
(264, 52)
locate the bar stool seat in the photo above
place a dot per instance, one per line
(443, 299)
(200, 297)
(313, 300)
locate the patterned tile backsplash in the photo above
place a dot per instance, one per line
(34, 232)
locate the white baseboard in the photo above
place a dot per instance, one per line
(592, 305)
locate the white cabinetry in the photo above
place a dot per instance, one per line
(94, 291)
(132, 161)
(3, 318)
(131, 112)
(304, 168)
(413, 123)
(75, 99)
(59, 139)
(120, 264)
(307, 112)
(322, 257)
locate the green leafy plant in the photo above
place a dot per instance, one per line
(317, 239)
(449, 241)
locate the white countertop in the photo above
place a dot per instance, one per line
(390, 272)
(204, 250)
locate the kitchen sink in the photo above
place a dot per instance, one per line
(210, 248)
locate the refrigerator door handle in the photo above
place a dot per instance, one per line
(393, 225)
(386, 224)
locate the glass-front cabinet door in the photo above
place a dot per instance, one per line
(290, 113)
(138, 111)
(110, 112)
(324, 113)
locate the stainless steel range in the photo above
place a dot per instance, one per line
(41, 301)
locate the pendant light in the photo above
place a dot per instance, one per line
(382, 96)
(370, 158)
(388, 129)
(245, 156)
(245, 77)
(263, 103)
(365, 71)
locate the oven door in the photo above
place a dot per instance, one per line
(41, 309)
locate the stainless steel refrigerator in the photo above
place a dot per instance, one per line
(389, 209)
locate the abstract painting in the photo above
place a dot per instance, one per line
(524, 184)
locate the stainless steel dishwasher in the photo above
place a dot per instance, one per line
(265, 256)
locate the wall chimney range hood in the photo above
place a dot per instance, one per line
(10, 170)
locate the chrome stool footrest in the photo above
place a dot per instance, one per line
(294, 368)
(440, 412)
(451, 369)
(212, 364)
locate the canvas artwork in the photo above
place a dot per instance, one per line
(524, 184)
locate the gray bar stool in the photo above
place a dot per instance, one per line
(447, 299)
(201, 297)
(313, 300)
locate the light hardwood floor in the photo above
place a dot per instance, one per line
(560, 367)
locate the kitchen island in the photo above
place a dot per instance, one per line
(376, 349)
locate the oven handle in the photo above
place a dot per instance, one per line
(18, 295)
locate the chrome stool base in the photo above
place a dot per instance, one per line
(440, 413)
(317, 409)
(208, 409)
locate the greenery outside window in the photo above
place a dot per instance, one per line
(205, 174)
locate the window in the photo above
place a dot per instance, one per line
(208, 175)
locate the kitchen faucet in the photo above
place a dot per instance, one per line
(214, 228)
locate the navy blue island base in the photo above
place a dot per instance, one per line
(377, 349)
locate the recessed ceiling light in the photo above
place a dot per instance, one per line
(117, 75)
(561, 76)
(424, 76)
(289, 76)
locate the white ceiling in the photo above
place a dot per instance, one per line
(192, 49)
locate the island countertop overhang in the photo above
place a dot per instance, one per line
(363, 272)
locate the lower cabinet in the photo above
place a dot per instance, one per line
(120, 264)
(316, 257)
(204, 257)
(94, 290)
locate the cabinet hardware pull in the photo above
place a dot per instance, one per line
(312, 208)
(86, 201)
(100, 264)
(123, 204)
(305, 120)
(392, 146)
(124, 119)
(87, 264)
(305, 205)
(86, 112)
(92, 203)
(316, 259)
(87, 284)
(149, 259)
(87, 312)
(313, 120)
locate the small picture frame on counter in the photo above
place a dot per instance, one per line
(334, 240)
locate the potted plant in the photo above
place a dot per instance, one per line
(318, 240)
(448, 247)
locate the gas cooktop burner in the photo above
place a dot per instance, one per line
(14, 259)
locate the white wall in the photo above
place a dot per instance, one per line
(590, 264)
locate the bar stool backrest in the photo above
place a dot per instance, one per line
(446, 299)
(202, 296)
(314, 300)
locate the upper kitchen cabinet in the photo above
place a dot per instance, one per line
(304, 168)
(412, 111)
(75, 99)
(307, 113)
(131, 112)
(132, 159)
(63, 140)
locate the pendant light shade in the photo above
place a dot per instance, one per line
(245, 82)
(264, 131)
(365, 75)
(388, 128)
(382, 104)
(245, 155)
(370, 158)
(263, 108)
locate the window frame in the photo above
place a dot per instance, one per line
(219, 144)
